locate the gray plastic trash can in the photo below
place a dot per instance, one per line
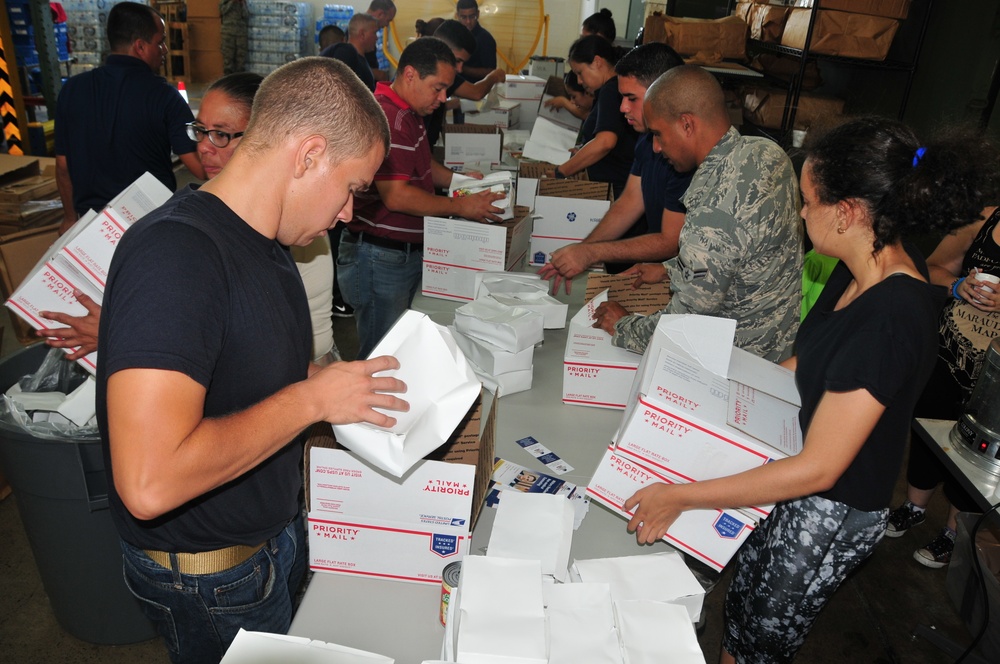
(61, 490)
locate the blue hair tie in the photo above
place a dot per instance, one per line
(918, 155)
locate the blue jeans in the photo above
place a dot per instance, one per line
(198, 616)
(380, 284)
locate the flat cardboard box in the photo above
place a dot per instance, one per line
(765, 106)
(712, 536)
(19, 254)
(204, 34)
(364, 522)
(566, 211)
(14, 168)
(841, 33)
(505, 115)
(688, 36)
(595, 372)
(471, 143)
(456, 249)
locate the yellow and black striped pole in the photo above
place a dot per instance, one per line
(12, 113)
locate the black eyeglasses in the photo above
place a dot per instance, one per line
(219, 139)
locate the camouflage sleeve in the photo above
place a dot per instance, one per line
(711, 247)
(634, 331)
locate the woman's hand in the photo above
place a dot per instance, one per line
(656, 507)
(983, 295)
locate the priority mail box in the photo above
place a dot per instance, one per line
(675, 423)
(91, 249)
(710, 535)
(505, 115)
(365, 522)
(526, 90)
(19, 256)
(471, 143)
(596, 372)
(529, 174)
(456, 249)
(566, 211)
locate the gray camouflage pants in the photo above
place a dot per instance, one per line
(787, 570)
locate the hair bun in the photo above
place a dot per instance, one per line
(605, 12)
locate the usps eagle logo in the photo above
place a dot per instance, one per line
(571, 216)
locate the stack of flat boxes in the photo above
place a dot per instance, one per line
(205, 40)
(280, 32)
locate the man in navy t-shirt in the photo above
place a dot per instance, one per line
(361, 31)
(484, 59)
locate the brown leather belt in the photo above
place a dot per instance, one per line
(384, 242)
(206, 562)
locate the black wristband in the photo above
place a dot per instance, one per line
(559, 174)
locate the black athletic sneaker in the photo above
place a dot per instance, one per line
(342, 310)
(903, 518)
(937, 553)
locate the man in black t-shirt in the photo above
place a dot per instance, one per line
(383, 11)
(484, 58)
(361, 31)
(204, 382)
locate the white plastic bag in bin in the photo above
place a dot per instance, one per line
(440, 388)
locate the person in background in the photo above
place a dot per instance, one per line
(866, 348)
(601, 24)
(222, 119)
(380, 261)
(426, 28)
(383, 11)
(577, 101)
(969, 323)
(740, 249)
(330, 35)
(235, 34)
(643, 224)
(608, 140)
(361, 31)
(484, 59)
(115, 122)
(204, 384)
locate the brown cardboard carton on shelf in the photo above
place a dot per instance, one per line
(841, 33)
(889, 8)
(726, 37)
(785, 67)
(19, 252)
(766, 22)
(203, 9)
(204, 34)
(764, 107)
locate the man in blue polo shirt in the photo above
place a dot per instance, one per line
(484, 59)
(121, 119)
(643, 224)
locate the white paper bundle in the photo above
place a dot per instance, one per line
(489, 282)
(656, 632)
(534, 526)
(440, 389)
(501, 615)
(661, 577)
(553, 311)
(265, 648)
(506, 383)
(498, 182)
(581, 624)
(492, 359)
(511, 328)
(549, 142)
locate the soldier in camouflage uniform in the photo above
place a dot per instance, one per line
(740, 249)
(235, 26)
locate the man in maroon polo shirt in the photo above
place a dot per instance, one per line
(380, 260)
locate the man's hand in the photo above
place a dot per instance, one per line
(351, 391)
(655, 511)
(607, 315)
(496, 76)
(479, 207)
(81, 331)
(646, 273)
(566, 263)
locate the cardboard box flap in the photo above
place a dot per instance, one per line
(569, 188)
(13, 168)
(646, 300)
(556, 87)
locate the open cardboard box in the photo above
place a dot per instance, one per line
(471, 143)
(566, 211)
(365, 522)
(595, 372)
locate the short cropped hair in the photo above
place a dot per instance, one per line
(424, 55)
(687, 89)
(467, 4)
(317, 95)
(241, 87)
(130, 21)
(456, 35)
(648, 62)
(330, 35)
(585, 49)
(601, 24)
(382, 6)
(359, 22)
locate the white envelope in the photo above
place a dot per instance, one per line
(581, 624)
(498, 182)
(265, 648)
(440, 389)
(655, 632)
(501, 613)
(661, 577)
(534, 526)
(511, 328)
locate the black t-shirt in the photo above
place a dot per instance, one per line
(350, 57)
(885, 341)
(485, 56)
(194, 289)
(606, 115)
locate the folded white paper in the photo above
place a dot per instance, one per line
(549, 142)
(506, 383)
(581, 624)
(662, 577)
(655, 632)
(265, 648)
(553, 311)
(440, 389)
(492, 359)
(511, 328)
(534, 526)
(489, 282)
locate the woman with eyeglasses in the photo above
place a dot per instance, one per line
(222, 117)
